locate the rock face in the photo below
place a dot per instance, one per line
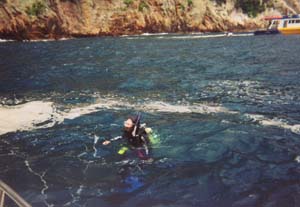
(53, 19)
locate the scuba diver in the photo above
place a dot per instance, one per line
(137, 138)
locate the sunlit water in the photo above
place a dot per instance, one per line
(226, 111)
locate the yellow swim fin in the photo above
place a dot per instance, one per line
(122, 151)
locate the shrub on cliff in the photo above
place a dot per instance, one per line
(36, 9)
(219, 2)
(251, 7)
(190, 3)
(128, 2)
(143, 6)
(182, 7)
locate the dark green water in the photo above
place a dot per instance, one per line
(226, 110)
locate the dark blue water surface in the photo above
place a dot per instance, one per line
(203, 159)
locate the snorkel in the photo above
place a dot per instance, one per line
(136, 124)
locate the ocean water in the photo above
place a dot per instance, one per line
(226, 111)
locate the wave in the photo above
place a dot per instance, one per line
(4, 40)
(204, 36)
(153, 106)
(48, 40)
(243, 34)
(159, 106)
(147, 34)
(187, 36)
(154, 34)
(39, 114)
(264, 121)
(32, 115)
(193, 36)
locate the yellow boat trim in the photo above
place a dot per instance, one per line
(287, 31)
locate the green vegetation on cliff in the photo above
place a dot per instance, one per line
(143, 6)
(190, 3)
(128, 2)
(251, 7)
(36, 9)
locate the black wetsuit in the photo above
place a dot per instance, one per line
(139, 143)
(140, 140)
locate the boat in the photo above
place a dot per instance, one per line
(286, 25)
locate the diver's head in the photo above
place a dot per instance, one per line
(129, 124)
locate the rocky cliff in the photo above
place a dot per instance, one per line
(52, 19)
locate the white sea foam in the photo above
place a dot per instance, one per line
(96, 138)
(262, 120)
(27, 116)
(3, 40)
(159, 106)
(198, 36)
(154, 34)
(104, 104)
(40, 40)
(155, 106)
(204, 36)
(48, 40)
(132, 37)
(297, 159)
(187, 36)
(146, 34)
(243, 35)
(39, 114)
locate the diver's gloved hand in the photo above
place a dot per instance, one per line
(148, 130)
(106, 142)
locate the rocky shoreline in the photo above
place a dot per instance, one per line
(56, 19)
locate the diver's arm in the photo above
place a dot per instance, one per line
(106, 142)
(116, 138)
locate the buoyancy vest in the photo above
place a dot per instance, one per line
(136, 141)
